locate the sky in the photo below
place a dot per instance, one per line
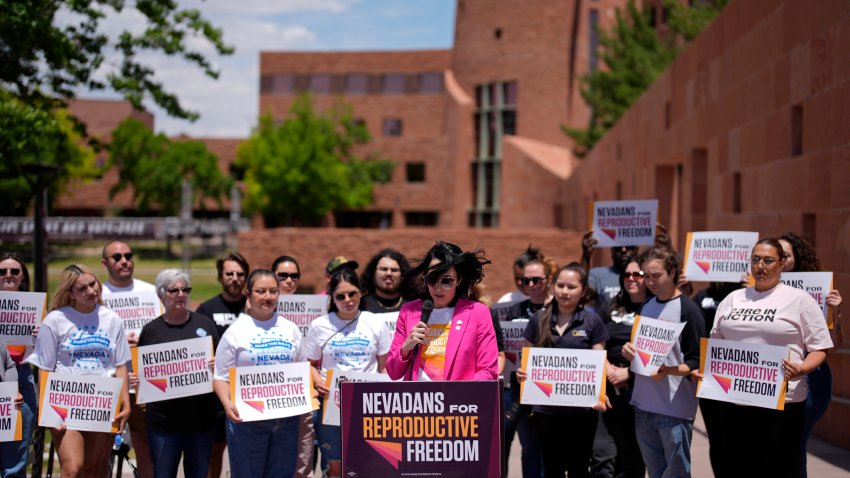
(228, 106)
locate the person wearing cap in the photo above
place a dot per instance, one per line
(334, 265)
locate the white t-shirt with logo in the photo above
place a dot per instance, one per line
(77, 343)
(136, 286)
(356, 348)
(782, 315)
(432, 353)
(256, 342)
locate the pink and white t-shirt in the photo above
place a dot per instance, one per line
(782, 315)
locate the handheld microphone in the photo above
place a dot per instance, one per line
(427, 308)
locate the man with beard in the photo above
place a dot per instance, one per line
(605, 280)
(224, 309)
(383, 281)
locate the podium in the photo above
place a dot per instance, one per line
(435, 429)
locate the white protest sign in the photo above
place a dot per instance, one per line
(563, 377)
(10, 417)
(264, 392)
(514, 343)
(330, 413)
(173, 369)
(718, 256)
(742, 373)
(653, 339)
(20, 312)
(301, 309)
(624, 223)
(80, 402)
(136, 309)
(817, 284)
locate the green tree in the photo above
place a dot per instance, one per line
(634, 55)
(155, 167)
(298, 171)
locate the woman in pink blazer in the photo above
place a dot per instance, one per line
(458, 341)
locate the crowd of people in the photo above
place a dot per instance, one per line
(446, 330)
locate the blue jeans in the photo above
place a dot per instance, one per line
(665, 444)
(532, 463)
(329, 438)
(266, 448)
(14, 454)
(820, 393)
(168, 447)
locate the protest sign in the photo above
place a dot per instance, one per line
(514, 343)
(437, 429)
(718, 256)
(563, 377)
(136, 309)
(173, 369)
(330, 413)
(80, 402)
(817, 284)
(301, 309)
(624, 223)
(742, 373)
(20, 312)
(264, 392)
(10, 417)
(653, 339)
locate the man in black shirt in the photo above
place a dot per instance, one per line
(383, 281)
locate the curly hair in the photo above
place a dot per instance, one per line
(367, 278)
(805, 257)
(469, 267)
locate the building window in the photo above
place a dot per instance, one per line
(392, 127)
(364, 219)
(421, 218)
(593, 44)
(394, 83)
(416, 172)
(498, 33)
(337, 84)
(300, 83)
(736, 193)
(356, 84)
(320, 83)
(796, 130)
(430, 83)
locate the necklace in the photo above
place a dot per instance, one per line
(384, 305)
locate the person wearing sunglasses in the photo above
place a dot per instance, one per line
(82, 337)
(459, 340)
(224, 308)
(753, 441)
(347, 339)
(14, 456)
(263, 448)
(181, 427)
(287, 272)
(119, 261)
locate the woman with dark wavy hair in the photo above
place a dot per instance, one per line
(459, 341)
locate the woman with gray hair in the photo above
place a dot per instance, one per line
(180, 426)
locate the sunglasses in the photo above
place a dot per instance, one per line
(238, 274)
(13, 271)
(444, 282)
(532, 280)
(175, 290)
(346, 295)
(287, 275)
(634, 275)
(117, 256)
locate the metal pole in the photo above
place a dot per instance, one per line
(186, 222)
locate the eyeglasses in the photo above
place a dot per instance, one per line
(238, 274)
(262, 292)
(175, 290)
(14, 272)
(282, 276)
(637, 275)
(117, 256)
(767, 261)
(532, 280)
(445, 282)
(346, 295)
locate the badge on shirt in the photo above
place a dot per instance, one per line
(579, 333)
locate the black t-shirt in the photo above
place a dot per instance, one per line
(186, 414)
(373, 304)
(222, 312)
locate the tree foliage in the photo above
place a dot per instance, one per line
(298, 171)
(634, 55)
(155, 167)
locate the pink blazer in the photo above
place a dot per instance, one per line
(471, 352)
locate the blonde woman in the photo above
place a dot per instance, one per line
(77, 312)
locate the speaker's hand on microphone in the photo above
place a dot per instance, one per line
(415, 338)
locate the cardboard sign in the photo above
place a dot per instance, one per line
(718, 256)
(742, 373)
(435, 429)
(264, 392)
(301, 309)
(653, 339)
(10, 417)
(624, 223)
(173, 369)
(136, 309)
(817, 284)
(80, 402)
(563, 377)
(514, 343)
(20, 312)
(330, 413)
